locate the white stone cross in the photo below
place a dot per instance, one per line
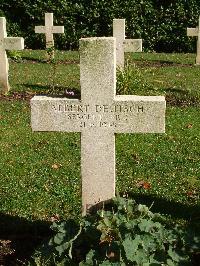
(98, 116)
(7, 43)
(196, 32)
(122, 44)
(49, 29)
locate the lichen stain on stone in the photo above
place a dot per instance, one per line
(95, 48)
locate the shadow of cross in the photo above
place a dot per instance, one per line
(7, 43)
(49, 29)
(122, 44)
(195, 32)
(98, 116)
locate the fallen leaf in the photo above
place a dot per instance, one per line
(56, 166)
(46, 188)
(143, 184)
(189, 126)
(192, 194)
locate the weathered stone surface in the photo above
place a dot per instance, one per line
(98, 116)
(122, 44)
(195, 32)
(49, 29)
(123, 114)
(7, 43)
(133, 45)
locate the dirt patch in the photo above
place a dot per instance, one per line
(17, 96)
(160, 63)
(43, 61)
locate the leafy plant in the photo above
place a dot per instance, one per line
(124, 233)
(15, 55)
(130, 80)
(50, 52)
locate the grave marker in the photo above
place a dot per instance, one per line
(7, 43)
(98, 116)
(195, 32)
(49, 29)
(122, 44)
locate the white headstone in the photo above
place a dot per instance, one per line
(98, 116)
(195, 32)
(7, 43)
(122, 44)
(49, 29)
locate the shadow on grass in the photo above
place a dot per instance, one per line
(19, 238)
(174, 209)
(161, 63)
(180, 97)
(26, 59)
(57, 91)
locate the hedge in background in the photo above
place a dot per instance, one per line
(160, 23)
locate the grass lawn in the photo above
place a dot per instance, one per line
(40, 172)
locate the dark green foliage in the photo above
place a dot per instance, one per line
(161, 24)
(124, 234)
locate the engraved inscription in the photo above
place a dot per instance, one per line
(98, 116)
(104, 108)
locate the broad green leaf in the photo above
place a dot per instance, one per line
(174, 255)
(146, 225)
(62, 249)
(171, 263)
(58, 239)
(131, 246)
(141, 257)
(89, 259)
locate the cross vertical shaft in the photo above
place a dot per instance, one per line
(48, 33)
(3, 57)
(97, 75)
(119, 34)
(198, 45)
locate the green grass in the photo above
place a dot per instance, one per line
(33, 73)
(32, 188)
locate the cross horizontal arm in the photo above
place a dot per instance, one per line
(126, 114)
(133, 45)
(57, 29)
(56, 114)
(192, 31)
(40, 29)
(14, 43)
(139, 114)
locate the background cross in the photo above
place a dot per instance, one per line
(7, 43)
(49, 29)
(195, 32)
(122, 44)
